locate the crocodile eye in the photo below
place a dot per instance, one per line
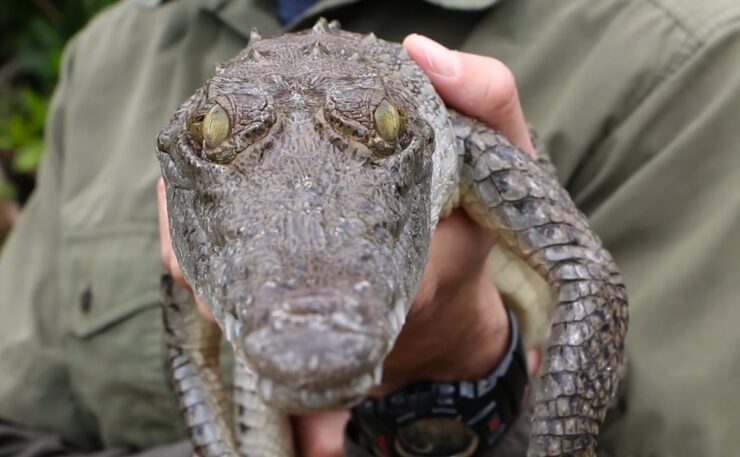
(209, 124)
(216, 126)
(388, 121)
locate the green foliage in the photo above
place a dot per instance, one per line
(22, 128)
(7, 192)
(33, 37)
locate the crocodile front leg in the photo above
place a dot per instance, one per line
(505, 191)
(194, 345)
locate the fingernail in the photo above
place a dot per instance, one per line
(441, 60)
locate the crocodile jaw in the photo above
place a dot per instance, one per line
(298, 400)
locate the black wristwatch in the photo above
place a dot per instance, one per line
(445, 419)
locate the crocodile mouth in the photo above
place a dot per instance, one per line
(316, 366)
(304, 400)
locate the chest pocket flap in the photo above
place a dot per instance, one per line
(108, 275)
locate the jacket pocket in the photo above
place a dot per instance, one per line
(115, 350)
(108, 275)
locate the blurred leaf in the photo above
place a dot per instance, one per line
(35, 106)
(28, 157)
(33, 37)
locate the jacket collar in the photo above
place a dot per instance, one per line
(241, 17)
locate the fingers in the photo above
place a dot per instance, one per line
(534, 360)
(478, 86)
(165, 243)
(457, 326)
(320, 434)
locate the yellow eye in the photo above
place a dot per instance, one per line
(388, 121)
(216, 126)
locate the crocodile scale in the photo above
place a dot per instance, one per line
(304, 180)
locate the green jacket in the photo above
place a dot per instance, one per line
(637, 100)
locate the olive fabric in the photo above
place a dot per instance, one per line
(638, 102)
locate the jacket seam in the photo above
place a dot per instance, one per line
(682, 53)
(676, 19)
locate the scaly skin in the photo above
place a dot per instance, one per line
(505, 191)
(194, 346)
(303, 182)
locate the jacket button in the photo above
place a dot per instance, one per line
(86, 300)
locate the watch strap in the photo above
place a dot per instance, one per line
(486, 407)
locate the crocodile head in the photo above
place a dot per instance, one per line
(299, 182)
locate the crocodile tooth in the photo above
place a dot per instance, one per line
(229, 326)
(365, 382)
(232, 327)
(393, 322)
(400, 311)
(265, 386)
(335, 26)
(378, 374)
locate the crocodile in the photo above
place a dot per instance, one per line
(303, 182)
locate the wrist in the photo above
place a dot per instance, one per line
(437, 418)
(459, 335)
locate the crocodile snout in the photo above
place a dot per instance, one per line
(316, 348)
(313, 357)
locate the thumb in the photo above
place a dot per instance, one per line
(478, 86)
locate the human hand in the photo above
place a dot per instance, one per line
(457, 327)
(457, 320)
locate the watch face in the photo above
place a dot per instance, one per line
(436, 436)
